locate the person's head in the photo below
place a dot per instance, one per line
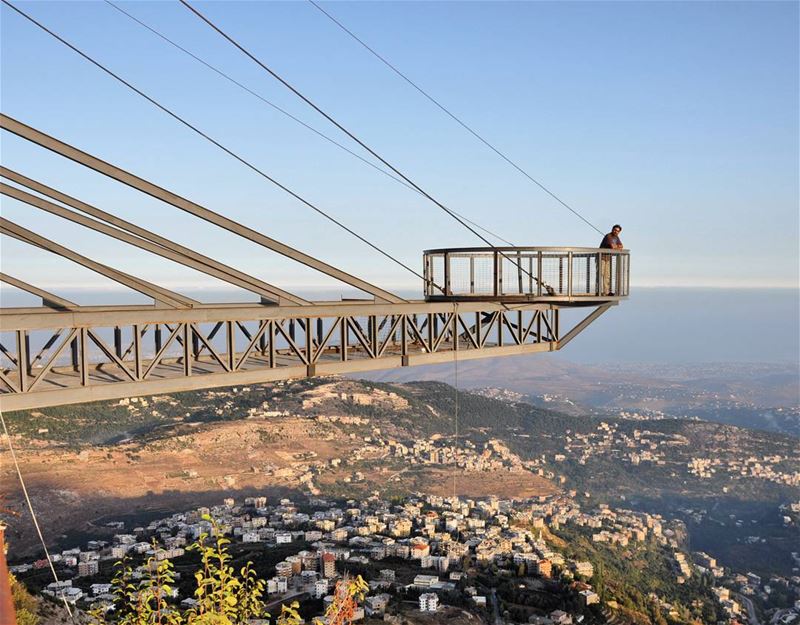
(616, 229)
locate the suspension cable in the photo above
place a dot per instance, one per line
(283, 111)
(210, 139)
(33, 514)
(458, 120)
(305, 99)
(308, 101)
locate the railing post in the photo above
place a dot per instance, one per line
(627, 274)
(569, 274)
(599, 285)
(495, 274)
(472, 274)
(519, 272)
(530, 274)
(588, 275)
(539, 274)
(426, 272)
(447, 290)
(560, 275)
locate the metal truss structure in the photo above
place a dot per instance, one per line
(62, 353)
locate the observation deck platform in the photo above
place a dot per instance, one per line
(478, 303)
(566, 275)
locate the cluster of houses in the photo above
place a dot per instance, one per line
(420, 547)
(608, 440)
(767, 467)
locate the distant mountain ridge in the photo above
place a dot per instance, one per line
(756, 396)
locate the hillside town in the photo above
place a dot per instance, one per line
(608, 440)
(425, 553)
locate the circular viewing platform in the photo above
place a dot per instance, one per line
(526, 274)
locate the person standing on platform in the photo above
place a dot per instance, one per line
(610, 242)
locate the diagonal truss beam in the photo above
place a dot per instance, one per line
(107, 169)
(48, 299)
(264, 290)
(282, 343)
(582, 325)
(158, 293)
(189, 257)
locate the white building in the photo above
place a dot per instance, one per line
(428, 602)
(100, 589)
(320, 588)
(426, 581)
(119, 551)
(376, 604)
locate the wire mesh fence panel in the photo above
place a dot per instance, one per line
(483, 269)
(514, 274)
(436, 273)
(584, 274)
(554, 273)
(462, 273)
(624, 273)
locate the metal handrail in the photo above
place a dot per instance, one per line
(526, 273)
(489, 250)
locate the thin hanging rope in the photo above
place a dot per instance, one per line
(33, 516)
(463, 124)
(455, 385)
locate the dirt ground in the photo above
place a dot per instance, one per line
(70, 490)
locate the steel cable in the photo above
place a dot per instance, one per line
(283, 111)
(319, 110)
(455, 118)
(214, 141)
(352, 136)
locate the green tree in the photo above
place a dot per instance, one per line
(24, 603)
(224, 596)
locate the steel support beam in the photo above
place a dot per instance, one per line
(580, 327)
(123, 230)
(159, 294)
(259, 344)
(48, 299)
(107, 169)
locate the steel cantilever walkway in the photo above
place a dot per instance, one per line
(479, 302)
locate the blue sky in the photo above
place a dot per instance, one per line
(678, 120)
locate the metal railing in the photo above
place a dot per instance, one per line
(526, 273)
